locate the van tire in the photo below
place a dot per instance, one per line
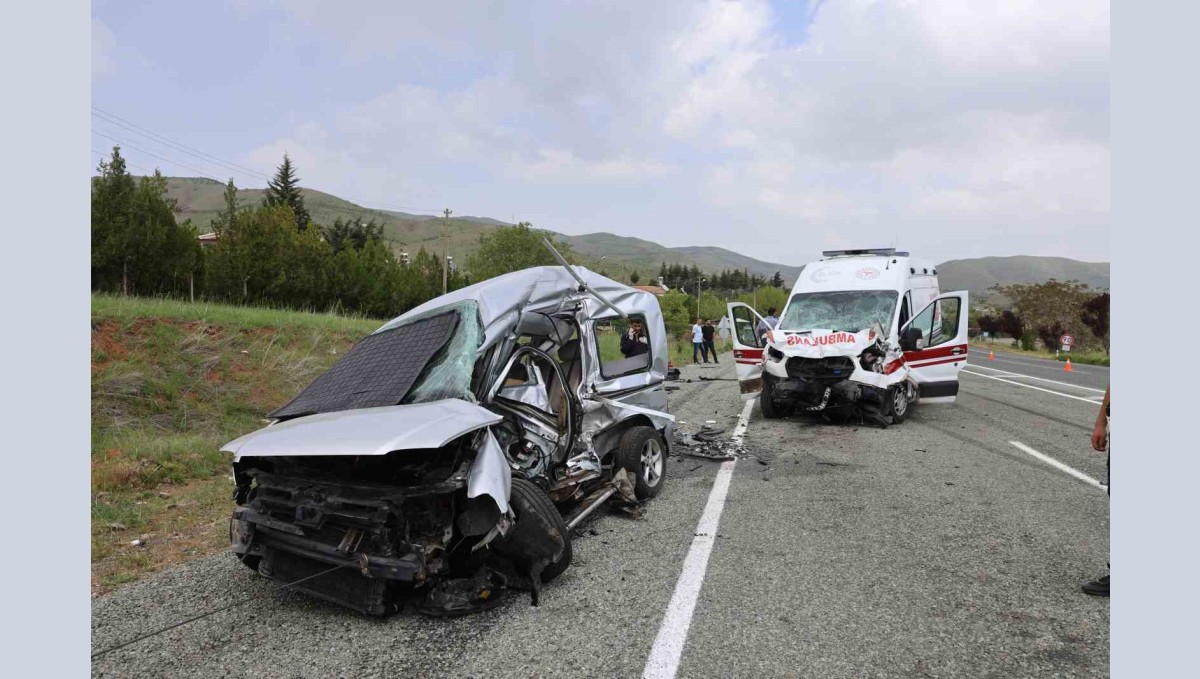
(525, 497)
(770, 409)
(639, 447)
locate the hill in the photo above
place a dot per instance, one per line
(201, 199)
(977, 275)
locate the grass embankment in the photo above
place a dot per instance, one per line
(171, 383)
(1005, 346)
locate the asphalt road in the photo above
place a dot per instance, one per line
(935, 548)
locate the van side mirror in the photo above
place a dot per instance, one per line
(911, 339)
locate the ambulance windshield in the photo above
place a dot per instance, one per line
(847, 311)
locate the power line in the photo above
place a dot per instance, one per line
(137, 129)
(163, 158)
(143, 169)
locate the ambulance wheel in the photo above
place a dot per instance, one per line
(897, 403)
(770, 409)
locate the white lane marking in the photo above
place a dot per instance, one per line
(1030, 386)
(1031, 377)
(1060, 466)
(667, 651)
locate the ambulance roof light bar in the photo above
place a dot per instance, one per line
(878, 252)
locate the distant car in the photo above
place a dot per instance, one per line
(440, 455)
(848, 339)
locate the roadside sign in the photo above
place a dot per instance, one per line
(1067, 341)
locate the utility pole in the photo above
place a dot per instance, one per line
(445, 248)
(698, 282)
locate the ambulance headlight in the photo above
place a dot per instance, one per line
(775, 354)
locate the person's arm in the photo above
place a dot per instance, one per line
(1100, 431)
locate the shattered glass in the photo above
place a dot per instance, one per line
(380, 370)
(449, 374)
(847, 310)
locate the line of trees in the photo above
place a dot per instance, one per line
(728, 281)
(1046, 311)
(275, 254)
(272, 254)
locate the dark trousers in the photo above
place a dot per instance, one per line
(698, 349)
(709, 346)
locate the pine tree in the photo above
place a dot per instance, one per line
(634, 278)
(284, 189)
(777, 280)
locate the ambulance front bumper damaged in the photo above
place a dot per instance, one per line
(861, 379)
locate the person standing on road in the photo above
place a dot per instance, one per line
(708, 330)
(698, 343)
(766, 324)
(1102, 443)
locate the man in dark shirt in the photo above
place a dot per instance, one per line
(707, 331)
(633, 342)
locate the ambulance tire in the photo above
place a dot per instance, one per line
(897, 403)
(770, 409)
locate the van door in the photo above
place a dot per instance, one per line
(941, 351)
(747, 348)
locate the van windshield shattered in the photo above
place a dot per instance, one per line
(426, 359)
(847, 310)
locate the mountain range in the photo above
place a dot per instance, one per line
(201, 199)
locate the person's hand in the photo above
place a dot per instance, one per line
(642, 340)
(1099, 437)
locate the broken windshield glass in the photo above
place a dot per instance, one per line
(379, 371)
(847, 310)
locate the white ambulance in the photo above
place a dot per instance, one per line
(864, 332)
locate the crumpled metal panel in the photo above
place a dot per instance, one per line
(368, 431)
(490, 474)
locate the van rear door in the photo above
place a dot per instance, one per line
(942, 349)
(747, 348)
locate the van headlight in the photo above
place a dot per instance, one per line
(775, 354)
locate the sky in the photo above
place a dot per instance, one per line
(776, 129)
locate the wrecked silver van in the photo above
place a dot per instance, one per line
(449, 454)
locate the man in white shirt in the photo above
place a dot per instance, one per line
(698, 343)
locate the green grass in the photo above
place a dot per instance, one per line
(680, 347)
(1005, 346)
(171, 383)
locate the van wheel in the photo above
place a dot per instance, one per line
(527, 499)
(770, 409)
(897, 403)
(642, 454)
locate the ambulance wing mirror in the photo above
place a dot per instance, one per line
(582, 285)
(911, 340)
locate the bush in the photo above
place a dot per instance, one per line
(1029, 340)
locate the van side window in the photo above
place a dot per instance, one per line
(623, 346)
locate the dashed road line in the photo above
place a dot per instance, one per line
(667, 651)
(1060, 466)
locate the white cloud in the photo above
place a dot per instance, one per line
(891, 115)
